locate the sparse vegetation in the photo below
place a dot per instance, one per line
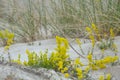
(60, 60)
(31, 20)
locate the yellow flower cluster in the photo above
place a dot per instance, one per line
(32, 58)
(112, 35)
(79, 73)
(90, 57)
(106, 77)
(86, 70)
(100, 64)
(58, 60)
(63, 69)
(8, 36)
(78, 62)
(93, 33)
(60, 65)
(61, 42)
(67, 75)
(61, 55)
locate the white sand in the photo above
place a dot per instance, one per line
(50, 44)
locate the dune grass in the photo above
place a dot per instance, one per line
(33, 20)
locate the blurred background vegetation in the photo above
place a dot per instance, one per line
(31, 20)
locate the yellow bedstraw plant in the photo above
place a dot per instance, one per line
(8, 39)
(101, 63)
(105, 77)
(105, 41)
(94, 36)
(59, 60)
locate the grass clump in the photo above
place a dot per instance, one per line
(30, 18)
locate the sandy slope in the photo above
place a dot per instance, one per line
(50, 44)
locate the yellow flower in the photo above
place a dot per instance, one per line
(62, 71)
(27, 51)
(65, 41)
(80, 77)
(86, 69)
(89, 57)
(102, 66)
(60, 65)
(9, 41)
(79, 73)
(88, 30)
(92, 40)
(94, 67)
(65, 69)
(66, 75)
(112, 33)
(108, 77)
(25, 63)
(79, 70)
(94, 27)
(58, 40)
(77, 62)
(106, 60)
(115, 58)
(101, 77)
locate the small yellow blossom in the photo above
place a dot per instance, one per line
(101, 77)
(79, 73)
(95, 28)
(27, 51)
(62, 71)
(25, 63)
(60, 65)
(9, 41)
(115, 58)
(88, 30)
(102, 66)
(94, 67)
(108, 77)
(86, 69)
(89, 57)
(112, 33)
(65, 69)
(92, 40)
(77, 62)
(66, 75)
